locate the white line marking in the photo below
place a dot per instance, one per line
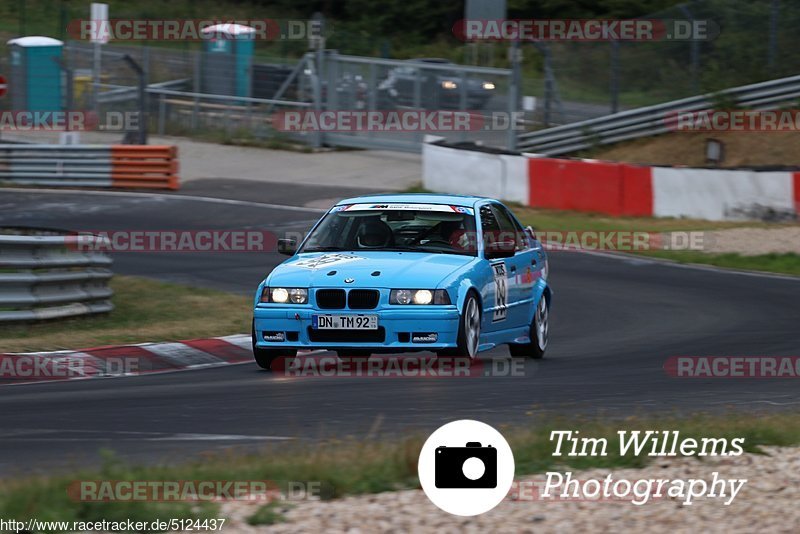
(165, 196)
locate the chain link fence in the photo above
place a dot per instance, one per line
(193, 93)
(188, 91)
(758, 40)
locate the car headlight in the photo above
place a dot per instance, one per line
(449, 84)
(282, 295)
(488, 86)
(419, 296)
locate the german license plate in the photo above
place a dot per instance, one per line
(344, 322)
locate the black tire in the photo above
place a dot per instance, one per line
(469, 330)
(267, 358)
(539, 334)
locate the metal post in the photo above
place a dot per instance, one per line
(694, 53)
(62, 21)
(514, 91)
(146, 64)
(773, 34)
(316, 88)
(69, 97)
(462, 100)
(142, 138)
(161, 113)
(197, 89)
(614, 76)
(418, 99)
(548, 85)
(22, 17)
(371, 93)
(98, 54)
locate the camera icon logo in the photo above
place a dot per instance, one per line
(472, 466)
(466, 467)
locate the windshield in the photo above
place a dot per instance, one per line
(435, 228)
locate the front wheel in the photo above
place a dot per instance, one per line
(469, 330)
(274, 359)
(540, 331)
(271, 359)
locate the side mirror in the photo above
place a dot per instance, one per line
(500, 249)
(287, 247)
(531, 231)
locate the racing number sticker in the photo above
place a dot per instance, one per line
(500, 292)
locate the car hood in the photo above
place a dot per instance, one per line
(367, 269)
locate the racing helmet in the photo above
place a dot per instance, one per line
(374, 233)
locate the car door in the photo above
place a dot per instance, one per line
(525, 266)
(497, 286)
(519, 275)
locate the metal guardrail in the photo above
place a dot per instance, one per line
(125, 166)
(43, 277)
(56, 165)
(652, 120)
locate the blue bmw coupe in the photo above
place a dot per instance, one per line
(406, 272)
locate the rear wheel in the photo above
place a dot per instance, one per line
(271, 359)
(469, 330)
(540, 331)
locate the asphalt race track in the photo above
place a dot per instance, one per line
(615, 321)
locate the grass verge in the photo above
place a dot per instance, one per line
(362, 466)
(562, 220)
(771, 263)
(566, 221)
(144, 310)
(269, 514)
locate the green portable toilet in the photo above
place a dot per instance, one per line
(228, 59)
(35, 77)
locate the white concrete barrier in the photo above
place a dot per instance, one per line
(612, 188)
(717, 194)
(472, 172)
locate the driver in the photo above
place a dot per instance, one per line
(374, 233)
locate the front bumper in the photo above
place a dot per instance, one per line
(396, 328)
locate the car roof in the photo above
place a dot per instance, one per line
(416, 198)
